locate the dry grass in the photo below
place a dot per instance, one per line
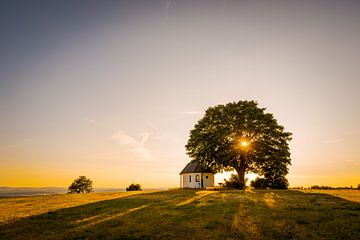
(182, 214)
(21, 207)
(351, 195)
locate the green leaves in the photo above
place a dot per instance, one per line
(215, 139)
(81, 185)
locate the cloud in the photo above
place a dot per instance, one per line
(142, 151)
(149, 124)
(190, 112)
(92, 121)
(135, 145)
(124, 139)
(354, 162)
(332, 141)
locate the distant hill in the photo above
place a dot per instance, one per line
(30, 191)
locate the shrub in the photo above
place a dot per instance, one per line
(259, 183)
(134, 187)
(81, 185)
(234, 183)
(280, 183)
(263, 183)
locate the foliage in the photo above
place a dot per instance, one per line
(234, 183)
(241, 136)
(263, 183)
(81, 185)
(259, 183)
(134, 187)
(279, 183)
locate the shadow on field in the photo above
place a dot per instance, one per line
(189, 214)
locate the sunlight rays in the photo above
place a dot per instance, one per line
(199, 195)
(101, 218)
(269, 200)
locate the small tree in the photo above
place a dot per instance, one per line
(81, 185)
(134, 187)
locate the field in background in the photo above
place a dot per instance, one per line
(184, 214)
(351, 195)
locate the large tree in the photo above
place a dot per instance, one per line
(241, 136)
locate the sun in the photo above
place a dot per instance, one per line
(244, 143)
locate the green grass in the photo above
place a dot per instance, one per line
(182, 214)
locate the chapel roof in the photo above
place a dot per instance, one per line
(194, 167)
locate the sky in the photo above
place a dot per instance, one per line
(111, 89)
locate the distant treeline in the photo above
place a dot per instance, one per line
(326, 187)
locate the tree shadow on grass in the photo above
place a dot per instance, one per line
(93, 220)
(283, 214)
(188, 214)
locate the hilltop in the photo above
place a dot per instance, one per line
(182, 214)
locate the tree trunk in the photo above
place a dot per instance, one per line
(241, 174)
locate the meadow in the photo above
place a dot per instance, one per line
(184, 214)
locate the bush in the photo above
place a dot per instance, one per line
(134, 187)
(234, 183)
(263, 183)
(259, 183)
(81, 185)
(280, 183)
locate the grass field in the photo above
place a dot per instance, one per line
(184, 214)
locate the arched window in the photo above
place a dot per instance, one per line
(197, 178)
(207, 177)
(190, 178)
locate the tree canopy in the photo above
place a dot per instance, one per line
(81, 185)
(241, 136)
(134, 187)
